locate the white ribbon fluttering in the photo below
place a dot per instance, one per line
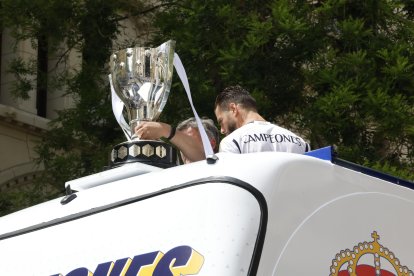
(208, 149)
(118, 106)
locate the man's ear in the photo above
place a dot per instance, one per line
(233, 107)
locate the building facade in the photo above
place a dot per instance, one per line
(23, 121)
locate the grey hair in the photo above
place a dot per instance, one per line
(208, 124)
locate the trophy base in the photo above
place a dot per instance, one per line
(150, 152)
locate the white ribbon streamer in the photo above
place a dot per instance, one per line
(208, 149)
(117, 108)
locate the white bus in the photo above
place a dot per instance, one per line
(267, 213)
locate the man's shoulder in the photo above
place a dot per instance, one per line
(230, 143)
(250, 128)
(229, 138)
(283, 130)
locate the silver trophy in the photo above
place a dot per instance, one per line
(141, 77)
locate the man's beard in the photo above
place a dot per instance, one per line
(231, 127)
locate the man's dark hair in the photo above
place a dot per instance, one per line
(235, 94)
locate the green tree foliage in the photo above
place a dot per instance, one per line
(360, 85)
(258, 44)
(340, 72)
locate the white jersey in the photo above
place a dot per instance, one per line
(262, 136)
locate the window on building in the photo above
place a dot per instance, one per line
(42, 70)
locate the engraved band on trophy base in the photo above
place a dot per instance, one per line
(150, 152)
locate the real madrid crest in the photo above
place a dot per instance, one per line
(347, 262)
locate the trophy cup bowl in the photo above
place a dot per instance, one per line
(141, 78)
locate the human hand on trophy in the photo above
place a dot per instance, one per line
(152, 130)
(187, 142)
